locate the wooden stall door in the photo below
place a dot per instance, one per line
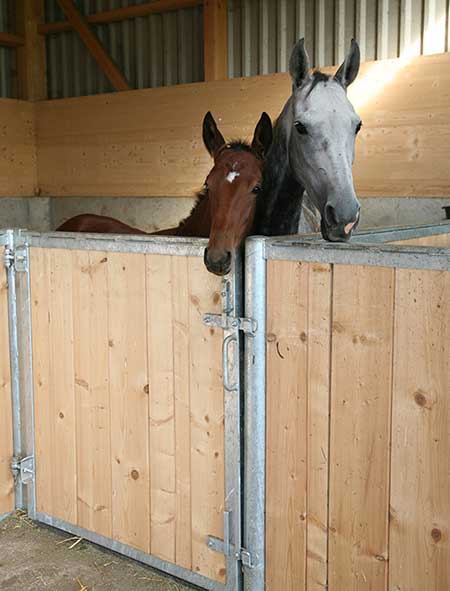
(6, 443)
(358, 436)
(129, 400)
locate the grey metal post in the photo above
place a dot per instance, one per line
(255, 417)
(14, 365)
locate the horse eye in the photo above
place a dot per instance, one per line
(300, 128)
(358, 128)
(256, 190)
(205, 187)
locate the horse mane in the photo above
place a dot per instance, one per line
(317, 77)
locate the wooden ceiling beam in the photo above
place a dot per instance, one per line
(93, 45)
(10, 40)
(120, 14)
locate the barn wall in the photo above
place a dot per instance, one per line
(261, 34)
(157, 50)
(148, 143)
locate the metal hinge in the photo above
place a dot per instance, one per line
(226, 547)
(17, 257)
(247, 325)
(23, 469)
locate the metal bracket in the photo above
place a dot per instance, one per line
(246, 325)
(17, 257)
(23, 469)
(247, 558)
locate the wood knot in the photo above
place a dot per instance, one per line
(271, 338)
(216, 297)
(303, 337)
(104, 260)
(146, 389)
(61, 415)
(436, 535)
(420, 398)
(134, 474)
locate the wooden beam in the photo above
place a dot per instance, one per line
(31, 80)
(120, 14)
(215, 39)
(93, 45)
(9, 40)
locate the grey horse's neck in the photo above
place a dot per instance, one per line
(279, 205)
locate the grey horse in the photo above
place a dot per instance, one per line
(313, 151)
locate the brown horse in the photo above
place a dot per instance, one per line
(225, 207)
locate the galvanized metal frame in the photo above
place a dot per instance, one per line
(232, 299)
(255, 418)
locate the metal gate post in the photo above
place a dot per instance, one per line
(22, 463)
(255, 418)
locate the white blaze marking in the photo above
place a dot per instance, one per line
(231, 176)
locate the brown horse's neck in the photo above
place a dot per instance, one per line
(198, 224)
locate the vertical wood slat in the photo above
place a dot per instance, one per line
(6, 442)
(286, 447)
(319, 351)
(420, 476)
(360, 427)
(129, 399)
(31, 57)
(91, 366)
(180, 312)
(434, 26)
(161, 407)
(207, 434)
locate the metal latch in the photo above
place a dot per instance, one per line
(247, 325)
(23, 468)
(247, 559)
(17, 257)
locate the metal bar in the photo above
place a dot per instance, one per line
(119, 243)
(14, 367)
(232, 303)
(378, 255)
(255, 416)
(162, 565)
(121, 14)
(26, 369)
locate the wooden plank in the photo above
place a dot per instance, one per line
(93, 45)
(63, 458)
(40, 318)
(161, 406)
(319, 356)
(420, 478)
(207, 416)
(286, 452)
(442, 240)
(18, 171)
(6, 441)
(10, 40)
(31, 55)
(181, 345)
(360, 427)
(117, 145)
(91, 375)
(215, 33)
(120, 14)
(127, 319)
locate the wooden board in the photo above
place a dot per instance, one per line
(128, 381)
(18, 172)
(6, 443)
(298, 356)
(442, 240)
(420, 477)
(148, 143)
(361, 383)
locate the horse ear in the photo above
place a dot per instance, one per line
(212, 137)
(299, 63)
(350, 67)
(262, 138)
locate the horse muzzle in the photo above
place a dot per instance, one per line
(217, 261)
(339, 232)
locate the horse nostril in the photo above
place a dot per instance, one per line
(330, 215)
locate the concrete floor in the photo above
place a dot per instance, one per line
(35, 557)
